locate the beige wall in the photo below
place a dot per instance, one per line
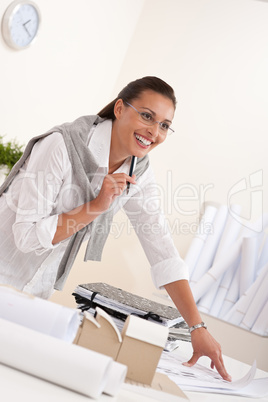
(71, 69)
(215, 55)
(213, 52)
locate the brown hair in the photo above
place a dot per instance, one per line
(133, 91)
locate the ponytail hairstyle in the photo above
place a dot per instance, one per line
(134, 90)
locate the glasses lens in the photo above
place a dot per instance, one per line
(146, 118)
(164, 127)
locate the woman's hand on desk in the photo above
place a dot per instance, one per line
(205, 345)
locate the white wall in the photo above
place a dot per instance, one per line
(71, 69)
(213, 52)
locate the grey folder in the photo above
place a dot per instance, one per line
(119, 302)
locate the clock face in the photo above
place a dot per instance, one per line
(20, 24)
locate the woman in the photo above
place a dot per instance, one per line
(69, 183)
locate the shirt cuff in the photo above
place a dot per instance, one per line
(169, 270)
(45, 231)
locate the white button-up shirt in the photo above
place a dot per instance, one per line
(45, 187)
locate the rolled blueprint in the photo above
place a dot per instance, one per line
(206, 302)
(263, 258)
(249, 250)
(54, 360)
(38, 314)
(232, 295)
(248, 265)
(261, 323)
(256, 306)
(223, 288)
(231, 232)
(199, 239)
(210, 247)
(236, 314)
(229, 236)
(115, 378)
(216, 271)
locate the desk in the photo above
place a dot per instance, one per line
(15, 385)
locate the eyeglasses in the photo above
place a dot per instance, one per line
(149, 120)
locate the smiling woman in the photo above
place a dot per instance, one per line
(68, 185)
(144, 109)
(131, 134)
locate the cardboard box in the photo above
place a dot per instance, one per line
(139, 347)
(161, 383)
(99, 334)
(143, 343)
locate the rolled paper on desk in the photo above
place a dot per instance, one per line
(216, 271)
(210, 247)
(200, 237)
(38, 314)
(115, 378)
(51, 359)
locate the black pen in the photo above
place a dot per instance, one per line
(131, 170)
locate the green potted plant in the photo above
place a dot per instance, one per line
(10, 153)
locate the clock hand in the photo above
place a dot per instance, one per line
(24, 26)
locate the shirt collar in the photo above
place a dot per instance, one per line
(99, 145)
(100, 141)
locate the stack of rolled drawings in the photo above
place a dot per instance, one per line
(36, 337)
(228, 266)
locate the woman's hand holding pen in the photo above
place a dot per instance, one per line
(70, 222)
(113, 185)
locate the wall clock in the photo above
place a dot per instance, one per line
(20, 24)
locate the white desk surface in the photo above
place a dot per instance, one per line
(18, 386)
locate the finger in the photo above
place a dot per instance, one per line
(113, 183)
(222, 370)
(123, 178)
(192, 361)
(127, 178)
(131, 179)
(118, 191)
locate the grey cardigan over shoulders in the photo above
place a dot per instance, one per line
(84, 166)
